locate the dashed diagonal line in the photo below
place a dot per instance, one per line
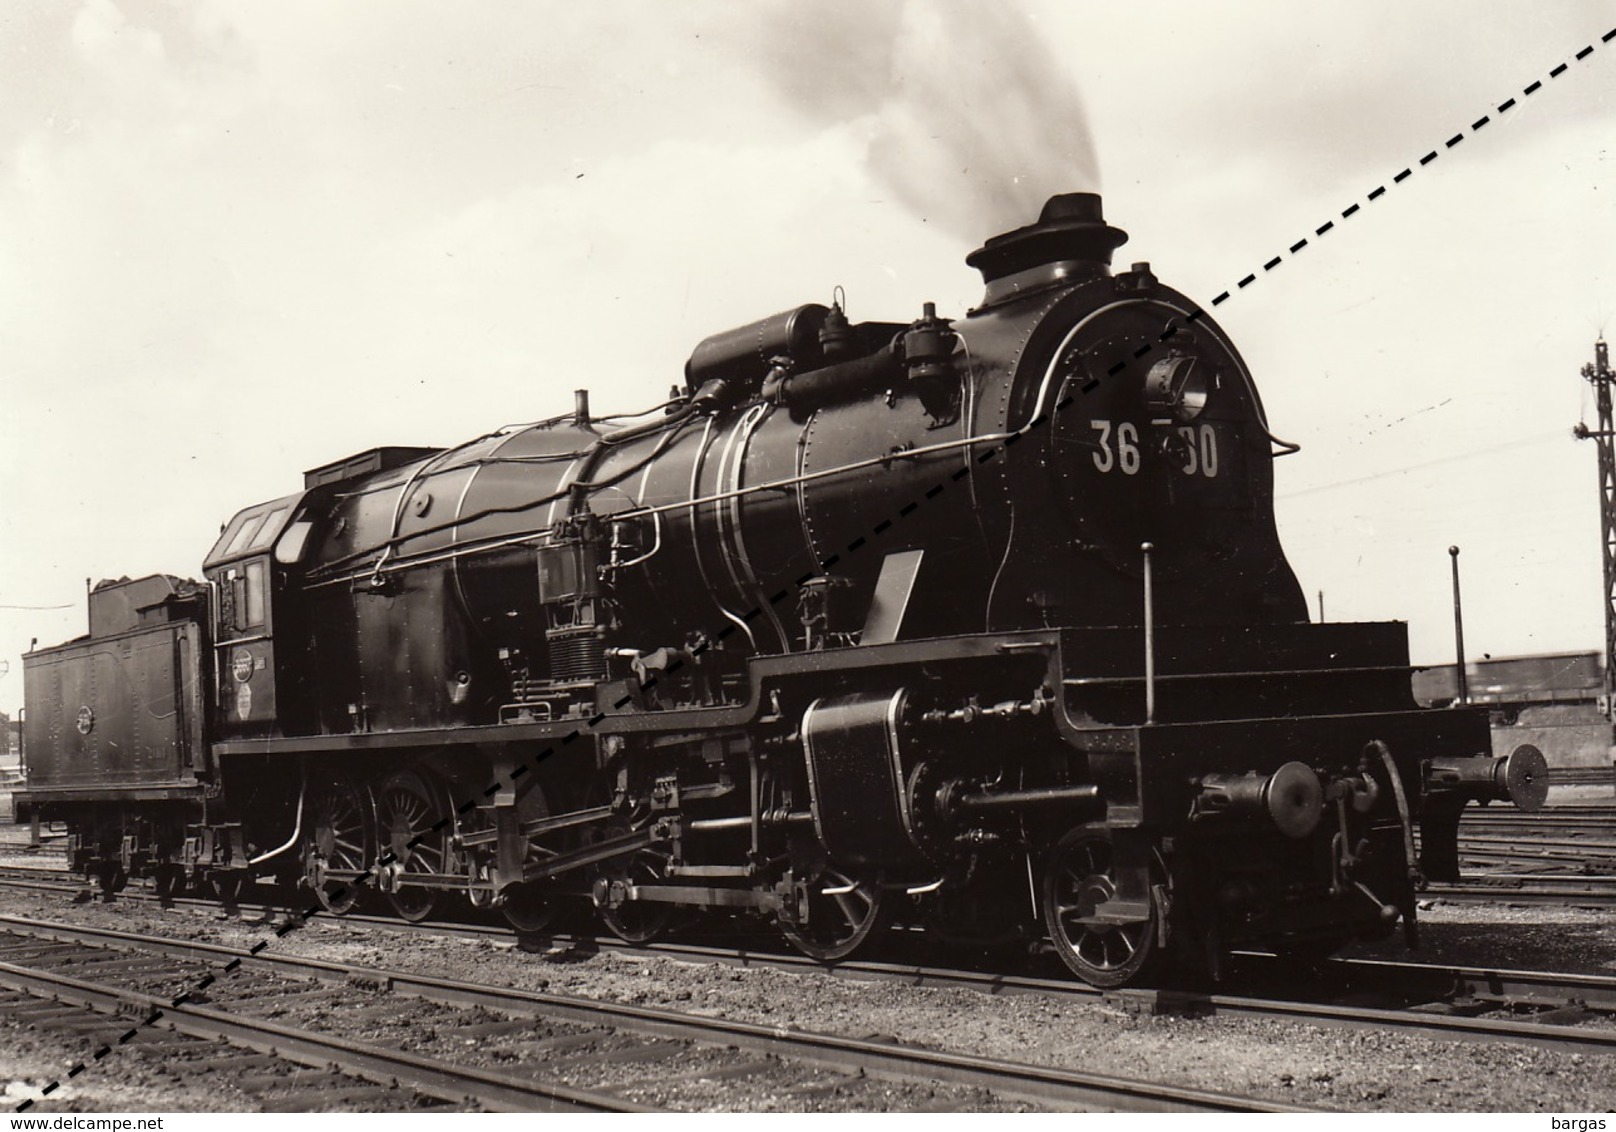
(1408, 171)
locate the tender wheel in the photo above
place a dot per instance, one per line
(111, 879)
(342, 835)
(228, 885)
(845, 914)
(167, 882)
(1079, 878)
(409, 805)
(637, 921)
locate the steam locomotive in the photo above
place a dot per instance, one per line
(980, 623)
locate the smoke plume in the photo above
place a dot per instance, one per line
(970, 118)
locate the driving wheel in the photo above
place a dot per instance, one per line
(636, 921)
(845, 914)
(530, 906)
(342, 836)
(409, 805)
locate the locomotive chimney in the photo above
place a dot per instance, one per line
(1071, 241)
(580, 407)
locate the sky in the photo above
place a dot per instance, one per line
(239, 241)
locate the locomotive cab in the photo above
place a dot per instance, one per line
(246, 569)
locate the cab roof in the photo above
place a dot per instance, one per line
(253, 531)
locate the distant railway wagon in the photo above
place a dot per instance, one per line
(1513, 682)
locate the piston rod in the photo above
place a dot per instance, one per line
(744, 821)
(1085, 797)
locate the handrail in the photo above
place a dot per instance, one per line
(1084, 681)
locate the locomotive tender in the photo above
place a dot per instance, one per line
(983, 623)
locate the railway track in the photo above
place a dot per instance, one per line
(1595, 822)
(1479, 861)
(684, 1060)
(1564, 1013)
(1561, 854)
(1534, 889)
(43, 981)
(1538, 889)
(268, 1081)
(1443, 1000)
(1554, 890)
(261, 1060)
(40, 873)
(1561, 848)
(1449, 1001)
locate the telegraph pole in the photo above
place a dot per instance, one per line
(1598, 375)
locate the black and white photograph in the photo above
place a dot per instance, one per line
(857, 556)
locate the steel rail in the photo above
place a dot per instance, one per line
(1498, 889)
(1527, 855)
(1572, 894)
(1525, 845)
(1501, 984)
(1495, 879)
(878, 1058)
(1455, 1026)
(459, 1084)
(1542, 819)
(1547, 889)
(30, 872)
(1537, 890)
(1431, 981)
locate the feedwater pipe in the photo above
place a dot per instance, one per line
(297, 826)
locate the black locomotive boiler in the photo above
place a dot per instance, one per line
(979, 622)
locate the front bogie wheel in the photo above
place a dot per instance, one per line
(1105, 941)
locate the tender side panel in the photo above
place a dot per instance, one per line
(124, 710)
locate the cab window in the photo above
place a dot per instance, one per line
(270, 528)
(244, 534)
(244, 598)
(255, 593)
